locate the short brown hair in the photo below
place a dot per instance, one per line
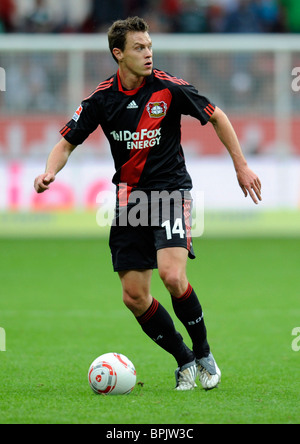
(119, 29)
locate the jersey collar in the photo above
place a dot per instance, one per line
(133, 91)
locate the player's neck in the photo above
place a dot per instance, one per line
(129, 80)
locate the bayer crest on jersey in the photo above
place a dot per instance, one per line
(157, 109)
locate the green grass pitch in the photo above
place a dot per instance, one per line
(61, 307)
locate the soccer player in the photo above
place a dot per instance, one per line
(139, 109)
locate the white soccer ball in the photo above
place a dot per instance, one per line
(112, 374)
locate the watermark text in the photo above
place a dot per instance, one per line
(175, 211)
(2, 340)
(296, 80)
(2, 79)
(296, 341)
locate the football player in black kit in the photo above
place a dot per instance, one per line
(139, 109)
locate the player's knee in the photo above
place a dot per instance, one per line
(135, 301)
(129, 299)
(174, 280)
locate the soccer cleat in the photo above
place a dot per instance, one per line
(185, 376)
(208, 371)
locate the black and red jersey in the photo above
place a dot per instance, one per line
(143, 128)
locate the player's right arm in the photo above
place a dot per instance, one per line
(56, 161)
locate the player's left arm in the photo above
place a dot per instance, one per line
(248, 180)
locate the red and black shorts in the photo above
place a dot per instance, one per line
(147, 223)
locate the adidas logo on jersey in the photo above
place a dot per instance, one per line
(132, 105)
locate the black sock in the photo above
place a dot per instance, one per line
(188, 310)
(158, 325)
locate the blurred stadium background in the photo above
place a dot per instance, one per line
(242, 54)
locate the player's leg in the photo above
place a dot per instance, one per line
(151, 315)
(136, 290)
(172, 270)
(133, 249)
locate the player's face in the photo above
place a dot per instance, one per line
(137, 55)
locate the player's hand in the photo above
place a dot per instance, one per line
(250, 184)
(42, 182)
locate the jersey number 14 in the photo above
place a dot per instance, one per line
(177, 228)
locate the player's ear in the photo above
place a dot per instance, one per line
(118, 54)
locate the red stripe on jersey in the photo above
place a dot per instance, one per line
(187, 217)
(123, 194)
(65, 131)
(164, 76)
(132, 170)
(103, 85)
(209, 110)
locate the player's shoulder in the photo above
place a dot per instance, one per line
(168, 78)
(106, 85)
